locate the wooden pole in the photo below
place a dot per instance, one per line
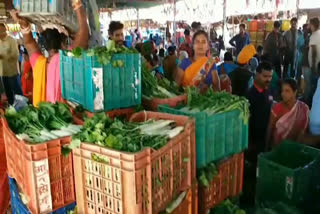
(224, 18)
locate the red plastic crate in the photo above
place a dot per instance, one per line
(186, 205)
(227, 183)
(44, 175)
(77, 118)
(134, 183)
(152, 104)
(195, 197)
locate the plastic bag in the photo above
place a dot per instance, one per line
(20, 102)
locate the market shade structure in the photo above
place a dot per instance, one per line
(138, 4)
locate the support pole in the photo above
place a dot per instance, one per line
(138, 19)
(174, 22)
(224, 18)
(298, 6)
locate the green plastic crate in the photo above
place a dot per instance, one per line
(285, 173)
(217, 135)
(121, 87)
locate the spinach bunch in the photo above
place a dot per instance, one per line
(154, 88)
(47, 122)
(207, 174)
(227, 207)
(217, 102)
(127, 136)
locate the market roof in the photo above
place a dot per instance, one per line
(129, 3)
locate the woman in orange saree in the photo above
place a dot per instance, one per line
(199, 71)
(289, 118)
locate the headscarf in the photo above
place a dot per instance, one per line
(246, 54)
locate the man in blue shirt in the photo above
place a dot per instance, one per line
(240, 40)
(228, 66)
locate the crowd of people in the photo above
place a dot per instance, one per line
(269, 75)
(265, 75)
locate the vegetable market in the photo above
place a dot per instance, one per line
(159, 107)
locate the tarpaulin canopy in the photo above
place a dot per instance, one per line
(129, 3)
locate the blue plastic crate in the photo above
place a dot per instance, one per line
(19, 208)
(121, 86)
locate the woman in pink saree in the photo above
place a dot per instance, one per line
(289, 118)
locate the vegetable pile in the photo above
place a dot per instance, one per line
(216, 102)
(207, 174)
(154, 88)
(37, 125)
(227, 207)
(104, 54)
(127, 136)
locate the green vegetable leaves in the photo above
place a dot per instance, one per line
(37, 125)
(77, 52)
(207, 174)
(218, 102)
(124, 136)
(227, 207)
(153, 88)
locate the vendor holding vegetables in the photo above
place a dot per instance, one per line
(46, 71)
(199, 70)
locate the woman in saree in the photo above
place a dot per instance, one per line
(289, 118)
(46, 71)
(199, 70)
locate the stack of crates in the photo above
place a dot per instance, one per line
(2, 8)
(110, 181)
(48, 11)
(257, 32)
(220, 139)
(40, 171)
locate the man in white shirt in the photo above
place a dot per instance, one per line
(314, 45)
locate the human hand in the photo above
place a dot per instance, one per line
(17, 18)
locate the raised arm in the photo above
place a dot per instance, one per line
(82, 36)
(29, 43)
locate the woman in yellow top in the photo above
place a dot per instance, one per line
(199, 70)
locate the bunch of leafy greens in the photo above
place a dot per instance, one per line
(154, 88)
(37, 125)
(105, 54)
(127, 136)
(216, 102)
(207, 174)
(227, 207)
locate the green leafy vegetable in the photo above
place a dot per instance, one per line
(227, 207)
(37, 125)
(77, 52)
(154, 88)
(125, 136)
(207, 174)
(217, 102)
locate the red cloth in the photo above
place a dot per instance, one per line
(4, 185)
(27, 79)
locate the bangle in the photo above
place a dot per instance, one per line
(26, 30)
(77, 6)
